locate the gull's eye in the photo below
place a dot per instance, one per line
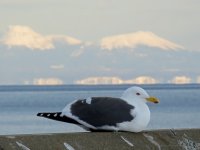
(137, 93)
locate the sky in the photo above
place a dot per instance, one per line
(48, 42)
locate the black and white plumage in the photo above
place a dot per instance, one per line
(127, 113)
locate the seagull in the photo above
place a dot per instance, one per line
(128, 113)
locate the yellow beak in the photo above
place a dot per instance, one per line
(153, 99)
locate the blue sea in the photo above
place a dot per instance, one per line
(179, 106)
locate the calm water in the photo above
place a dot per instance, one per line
(179, 107)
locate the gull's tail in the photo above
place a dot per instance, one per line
(57, 116)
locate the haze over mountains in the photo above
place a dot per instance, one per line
(30, 57)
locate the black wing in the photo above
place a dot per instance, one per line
(102, 111)
(57, 116)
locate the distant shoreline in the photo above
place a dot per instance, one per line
(74, 87)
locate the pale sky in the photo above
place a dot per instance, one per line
(102, 41)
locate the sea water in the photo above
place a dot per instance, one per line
(178, 107)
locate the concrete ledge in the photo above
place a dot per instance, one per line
(160, 139)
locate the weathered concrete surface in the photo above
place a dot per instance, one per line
(163, 139)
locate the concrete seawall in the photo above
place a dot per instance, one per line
(188, 139)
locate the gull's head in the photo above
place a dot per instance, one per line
(136, 92)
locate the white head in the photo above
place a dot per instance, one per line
(139, 93)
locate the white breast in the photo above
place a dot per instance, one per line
(141, 119)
